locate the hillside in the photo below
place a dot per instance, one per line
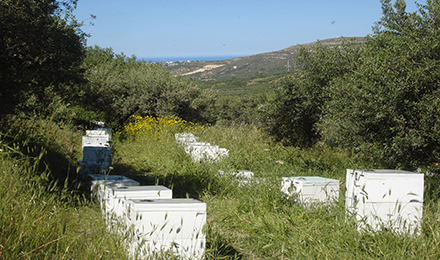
(254, 66)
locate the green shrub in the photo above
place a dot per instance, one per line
(40, 49)
(120, 87)
(387, 109)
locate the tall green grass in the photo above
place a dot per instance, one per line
(40, 216)
(257, 221)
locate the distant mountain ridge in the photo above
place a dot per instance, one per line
(262, 64)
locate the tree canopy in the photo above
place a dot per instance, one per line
(120, 86)
(379, 98)
(38, 49)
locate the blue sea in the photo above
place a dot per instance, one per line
(176, 59)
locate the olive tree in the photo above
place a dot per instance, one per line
(120, 86)
(39, 49)
(388, 108)
(295, 104)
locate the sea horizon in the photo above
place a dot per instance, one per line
(190, 58)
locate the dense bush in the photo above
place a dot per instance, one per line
(120, 87)
(388, 107)
(295, 105)
(379, 98)
(40, 52)
(238, 110)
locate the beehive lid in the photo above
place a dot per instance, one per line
(198, 144)
(113, 180)
(139, 191)
(106, 177)
(117, 182)
(152, 205)
(384, 171)
(311, 180)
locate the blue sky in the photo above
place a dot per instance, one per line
(203, 28)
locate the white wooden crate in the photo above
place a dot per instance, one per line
(311, 189)
(173, 225)
(391, 199)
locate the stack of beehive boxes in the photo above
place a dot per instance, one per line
(162, 226)
(200, 151)
(311, 189)
(167, 227)
(385, 199)
(96, 151)
(376, 199)
(153, 222)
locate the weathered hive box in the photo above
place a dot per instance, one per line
(179, 135)
(189, 147)
(97, 154)
(204, 153)
(184, 138)
(222, 153)
(99, 123)
(172, 226)
(107, 130)
(95, 141)
(98, 133)
(311, 189)
(391, 199)
(201, 151)
(216, 153)
(244, 177)
(240, 174)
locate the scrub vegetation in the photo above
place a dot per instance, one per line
(369, 104)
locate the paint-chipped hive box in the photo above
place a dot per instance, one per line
(310, 189)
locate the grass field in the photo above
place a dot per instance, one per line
(245, 85)
(257, 221)
(40, 219)
(40, 216)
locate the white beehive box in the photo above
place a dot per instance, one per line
(391, 199)
(222, 153)
(98, 133)
(243, 177)
(204, 153)
(97, 154)
(95, 132)
(189, 147)
(184, 138)
(168, 225)
(217, 153)
(311, 188)
(107, 130)
(116, 197)
(99, 182)
(95, 141)
(179, 135)
(99, 123)
(193, 249)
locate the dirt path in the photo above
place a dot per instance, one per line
(205, 68)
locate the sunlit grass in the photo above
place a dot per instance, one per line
(256, 221)
(41, 218)
(158, 127)
(253, 221)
